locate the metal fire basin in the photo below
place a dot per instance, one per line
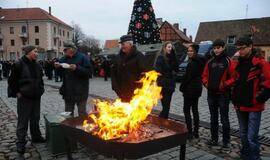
(122, 150)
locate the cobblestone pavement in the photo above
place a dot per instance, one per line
(52, 103)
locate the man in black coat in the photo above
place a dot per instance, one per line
(127, 69)
(76, 70)
(25, 83)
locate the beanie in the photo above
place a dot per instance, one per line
(28, 49)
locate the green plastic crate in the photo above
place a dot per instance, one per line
(54, 135)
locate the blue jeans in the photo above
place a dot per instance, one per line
(219, 102)
(249, 123)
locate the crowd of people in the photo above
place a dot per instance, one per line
(244, 80)
(5, 67)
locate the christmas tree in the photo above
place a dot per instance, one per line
(143, 26)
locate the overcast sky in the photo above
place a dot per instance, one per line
(109, 19)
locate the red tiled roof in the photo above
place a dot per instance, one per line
(17, 14)
(177, 31)
(111, 44)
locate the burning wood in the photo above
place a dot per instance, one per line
(145, 132)
(119, 120)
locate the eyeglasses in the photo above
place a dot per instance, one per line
(241, 48)
(217, 47)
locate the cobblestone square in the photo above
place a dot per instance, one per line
(52, 102)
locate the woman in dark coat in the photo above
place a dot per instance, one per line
(191, 87)
(166, 64)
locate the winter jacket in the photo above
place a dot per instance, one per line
(217, 74)
(166, 66)
(126, 71)
(252, 85)
(75, 84)
(191, 85)
(26, 79)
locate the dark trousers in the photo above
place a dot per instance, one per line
(191, 103)
(219, 103)
(27, 110)
(105, 75)
(81, 105)
(166, 102)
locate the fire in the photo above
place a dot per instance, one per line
(117, 119)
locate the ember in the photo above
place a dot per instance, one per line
(145, 132)
(119, 120)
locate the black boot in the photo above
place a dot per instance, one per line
(39, 140)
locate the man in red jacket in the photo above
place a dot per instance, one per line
(250, 92)
(217, 79)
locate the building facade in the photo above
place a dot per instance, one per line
(32, 26)
(230, 30)
(169, 32)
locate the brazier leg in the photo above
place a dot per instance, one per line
(68, 149)
(182, 152)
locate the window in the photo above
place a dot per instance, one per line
(36, 29)
(231, 40)
(60, 43)
(0, 30)
(11, 30)
(12, 42)
(63, 33)
(1, 43)
(68, 34)
(54, 42)
(23, 29)
(23, 42)
(36, 42)
(59, 31)
(54, 30)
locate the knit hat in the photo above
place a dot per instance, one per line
(244, 41)
(218, 42)
(28, 49)
(125, 38)
(69, 45)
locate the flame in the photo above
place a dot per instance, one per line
(117, 119)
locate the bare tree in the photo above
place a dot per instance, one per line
(78, 34)
(83, 42)
(92, 44)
